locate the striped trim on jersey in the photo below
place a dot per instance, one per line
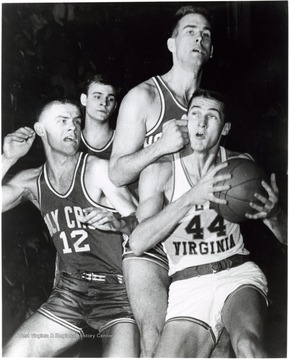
(162, 112)
(105, 147)
(184, 108)
(71, 185)
(178, 156)
(85, 190)
(61, 321)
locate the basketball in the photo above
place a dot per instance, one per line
(244, 183)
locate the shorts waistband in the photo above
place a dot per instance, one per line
(92, 276)
(211, 268)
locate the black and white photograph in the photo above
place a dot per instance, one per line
(144, 179)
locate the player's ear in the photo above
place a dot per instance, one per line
(171, 45)
(83, 99)
(226, 128)
(211, 52)
(39, 129)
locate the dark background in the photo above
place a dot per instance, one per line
(42, 58)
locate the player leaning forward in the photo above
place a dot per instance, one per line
(91, 290)
(175, 208)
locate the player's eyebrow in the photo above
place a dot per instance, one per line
(100, 93)
(215, 109)
(209, 109)
(195, 26)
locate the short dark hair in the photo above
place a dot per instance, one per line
(189, 9)
(47, 104)
(104, 79)
(211, 95)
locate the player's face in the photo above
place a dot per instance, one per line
(192, 44)
(100, 101)
(206, 123)
(63, 127)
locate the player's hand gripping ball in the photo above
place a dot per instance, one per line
(245, 182)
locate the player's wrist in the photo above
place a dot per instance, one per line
(128, 223)
(275, 214)
(8, 161)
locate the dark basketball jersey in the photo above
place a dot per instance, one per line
(80, 247)
(170, 109)
(103, 153)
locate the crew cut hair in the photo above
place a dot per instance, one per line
(185, 10)
(49, 103)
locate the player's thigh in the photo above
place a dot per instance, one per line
(184, 338)
(40, 336)
(244, 313)
(223, 348)
(147, 285)
(121, 340)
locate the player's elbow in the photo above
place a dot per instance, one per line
(115, 174)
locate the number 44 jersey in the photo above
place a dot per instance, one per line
(202, 236)
(81, 247)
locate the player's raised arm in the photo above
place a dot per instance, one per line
(19, 188)
(129, 157)
(15, 146)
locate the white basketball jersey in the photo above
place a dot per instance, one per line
(202, 236)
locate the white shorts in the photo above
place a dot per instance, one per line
(201, 299)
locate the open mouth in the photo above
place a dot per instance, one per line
(200, 135)
(70, 139)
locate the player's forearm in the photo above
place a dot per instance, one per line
(157, 228)
(127, 168)
(278, 225)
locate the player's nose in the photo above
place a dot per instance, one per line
(202, 121)
(104, 102)
(199, 38)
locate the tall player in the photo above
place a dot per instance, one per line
(153, 111)
(214, 283)
(91, 290)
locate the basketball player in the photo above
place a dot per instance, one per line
(153, 111)
(99, 98)
(91, 290)
(214, 283)
(100, 101)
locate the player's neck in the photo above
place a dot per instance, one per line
(97, 133)
(199, 163)
(60, 170)
(182, 82)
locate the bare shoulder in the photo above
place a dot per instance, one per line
(96, 164)
(145, 91)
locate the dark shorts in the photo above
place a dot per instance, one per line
(156, 255)
(76, 304)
